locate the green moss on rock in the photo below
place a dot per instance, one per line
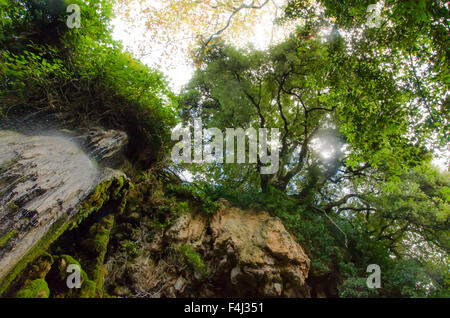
(5, 238)
(93, 203)
(115, 188)
(37, 288)
(88, 287)
(193, 258)
(38, 249)
(97, 245)
(40, 267)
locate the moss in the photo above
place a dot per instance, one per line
(98, 245)
(88, 287)
(101, 194)
(5, 238)
(38, 249)
(100, 237)
(12, 206)
(40, 267)
(68, 260)
(193, 258)
(131, 248)
(120, 182)
(122, 206)
(37, 288)
(116, 188)
(93, 203)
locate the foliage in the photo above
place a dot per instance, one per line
(418, 203)
(82, 72)
(196, 193)
(35, 289)
(413, 36)
(193, 258)
(309, 90)
(176, 25)
(355, 288)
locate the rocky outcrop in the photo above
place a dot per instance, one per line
(232, 253)
(263, 257)
(53, 183)
(104, 146)
(47, 184)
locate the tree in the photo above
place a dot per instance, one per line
(174, 26)
(412, 35)
(355, 133)
(412, 211)
(408, 219)
(309, 89)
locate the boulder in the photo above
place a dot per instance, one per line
(260, 255)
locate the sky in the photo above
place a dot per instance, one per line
(178, 67)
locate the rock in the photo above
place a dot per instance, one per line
(104, 146)
(266, 254)
(44, 183)
(247, 254)
(180, 284)
(188, 228)
(278, 288)
(234, 274)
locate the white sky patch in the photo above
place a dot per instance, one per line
(178, 66)
(441, 159)
(186, 176)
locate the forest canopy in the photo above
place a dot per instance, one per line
(362, 112)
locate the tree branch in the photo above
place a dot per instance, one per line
(235, 11)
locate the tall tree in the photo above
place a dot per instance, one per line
(177, 27)
(412, 35)
(309, 89)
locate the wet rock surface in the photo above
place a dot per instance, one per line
(44, 179)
